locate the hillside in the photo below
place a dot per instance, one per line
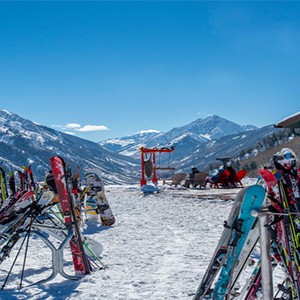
(265, 158)
(196, 144)
(199, 143)
(198, 132)
(23, 142)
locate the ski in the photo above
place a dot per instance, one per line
(14, 210)
(254, 283)
(283, 191)
(23, 221)
(242, 261)
(280, 230)
(289, 191)
(221, 250)
(11, 183)
(32, 184)
(22, 180)
(60, 174)
(3, 187)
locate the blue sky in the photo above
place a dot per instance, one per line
(122, 67)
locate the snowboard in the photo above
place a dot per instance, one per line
(243, 259)
(221, 249)
(95, 199)
(253, 200)
(250, 290)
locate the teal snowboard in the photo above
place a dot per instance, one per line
(253, 200)
(221, 249)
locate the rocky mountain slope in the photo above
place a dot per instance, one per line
(196, 144)
(199, 143)
(23, 142)
(264, 159)
(201, 131)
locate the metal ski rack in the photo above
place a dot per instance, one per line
(266, 267)
(57, 257)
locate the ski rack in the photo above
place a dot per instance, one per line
(266, 265)
(57, 257)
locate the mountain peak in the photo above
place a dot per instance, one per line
(5, 113)
(23, 142)
(199, 132)
(141, 132)
(214, 116)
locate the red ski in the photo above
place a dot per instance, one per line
(60, 175)
(284, 244)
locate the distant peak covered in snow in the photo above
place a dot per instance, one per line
(249, 127)
(147, 131)
(6, 111)
(23, 142)
(128, 145)
(200, 131)
(206, 136)
(196, 143)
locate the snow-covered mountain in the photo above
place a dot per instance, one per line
(199, 131)
(129, 145)
(210, 128)
(204, 154)
(199, 143)
(196, 144)
(23, 142)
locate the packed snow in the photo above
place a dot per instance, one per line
(159, 248)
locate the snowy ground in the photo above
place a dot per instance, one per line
(158, 249)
